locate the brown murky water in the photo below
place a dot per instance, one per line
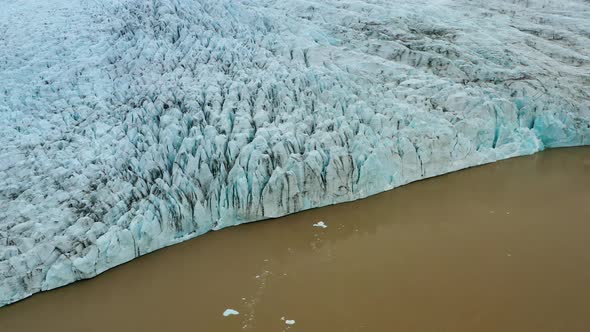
(503, 247)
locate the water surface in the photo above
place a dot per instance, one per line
(502, 247)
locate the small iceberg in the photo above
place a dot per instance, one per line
(230, 312)
(320, 224)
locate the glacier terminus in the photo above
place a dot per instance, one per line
(127, 126)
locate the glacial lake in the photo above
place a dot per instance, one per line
(501, 247)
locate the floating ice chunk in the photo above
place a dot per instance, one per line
(230, 312)
(320, 224)
(289, 322)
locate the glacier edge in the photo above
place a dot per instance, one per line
(157, 122)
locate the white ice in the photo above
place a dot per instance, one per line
(320, 224)
(230, 312)
(127, 126)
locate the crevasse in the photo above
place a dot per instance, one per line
(127, 126)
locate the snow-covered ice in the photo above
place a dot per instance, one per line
(127, 126)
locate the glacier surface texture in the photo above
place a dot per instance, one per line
(127, 126)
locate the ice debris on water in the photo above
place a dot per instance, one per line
(288, 321)
(230, 312)
(127, 126)
(320, 224)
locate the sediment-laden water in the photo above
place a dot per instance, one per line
(502, 247)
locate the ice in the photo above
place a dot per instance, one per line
(127, 126)
(288, 321)
(320, 224)
(230, 312)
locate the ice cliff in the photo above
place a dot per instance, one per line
(127, 126)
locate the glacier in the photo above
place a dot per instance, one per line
(127, 126)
